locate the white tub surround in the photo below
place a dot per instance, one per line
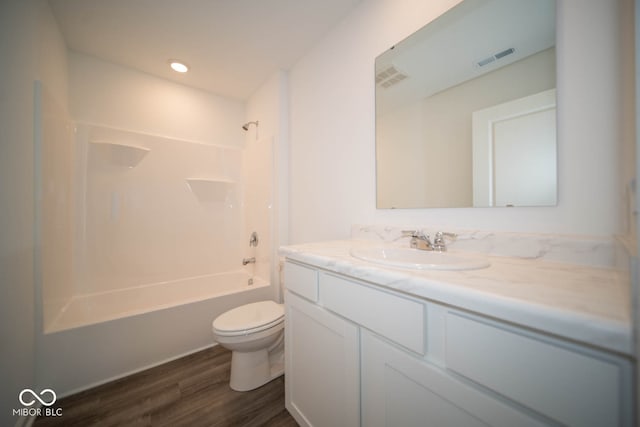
(525, 341)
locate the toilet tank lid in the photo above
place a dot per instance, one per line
(249, 316)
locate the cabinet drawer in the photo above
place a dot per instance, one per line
(301, 280)
(396, 318)
(574, 388)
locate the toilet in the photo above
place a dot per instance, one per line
(255, 335)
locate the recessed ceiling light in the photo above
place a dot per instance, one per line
(178, 66)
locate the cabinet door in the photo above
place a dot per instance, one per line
(401, 390)
(321, 366)
(563, 382)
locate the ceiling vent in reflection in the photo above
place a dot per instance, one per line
(495, 57)
(389, 77)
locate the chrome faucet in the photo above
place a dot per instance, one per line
(422, 241)
(251, 260)
(439, 243)
(419, 240)
(253, 241)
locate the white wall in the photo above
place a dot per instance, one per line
(628, 118)
(31, 44)
(108, 94)
(332, 127)
(17, 321)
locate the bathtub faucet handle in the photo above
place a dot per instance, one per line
(253, 240)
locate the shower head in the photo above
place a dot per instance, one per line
(246, 125)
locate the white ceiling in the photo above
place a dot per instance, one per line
(232, 46)
(446, 52)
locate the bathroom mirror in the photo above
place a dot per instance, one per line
(466, 109)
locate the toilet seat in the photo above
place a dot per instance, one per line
(249, 318)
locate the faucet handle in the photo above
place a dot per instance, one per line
(414, 233)
(439, 242)
(253, 240)
(441, 234)
(419, 240)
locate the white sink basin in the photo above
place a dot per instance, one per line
(420, 260)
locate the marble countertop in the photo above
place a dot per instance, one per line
(586, 304)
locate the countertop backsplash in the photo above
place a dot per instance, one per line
(593, 251)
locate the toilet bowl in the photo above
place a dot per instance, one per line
(255, 335)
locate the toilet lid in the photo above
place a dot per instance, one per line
(246, 318)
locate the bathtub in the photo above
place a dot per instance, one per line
(103, 336)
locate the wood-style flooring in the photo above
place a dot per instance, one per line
(191, 391)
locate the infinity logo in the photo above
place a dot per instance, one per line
(36, 397)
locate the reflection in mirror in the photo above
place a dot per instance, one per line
(465, 109)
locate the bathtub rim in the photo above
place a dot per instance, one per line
(54, 327)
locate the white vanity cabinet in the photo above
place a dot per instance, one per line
(322, 373)
(400, 389)
(568, 383)
(360, 354)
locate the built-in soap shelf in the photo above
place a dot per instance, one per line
(210, 189)
(122, 155)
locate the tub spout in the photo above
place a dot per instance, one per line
(251, 260)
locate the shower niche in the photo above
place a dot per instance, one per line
(119, 155)
(210, 189)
